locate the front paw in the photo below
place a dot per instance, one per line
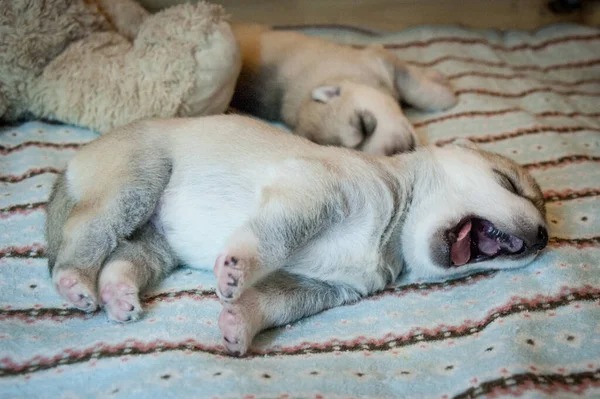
(232, 274)
(445, 97)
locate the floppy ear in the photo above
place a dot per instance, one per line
(323, 94)
(466, 143)
(366, 122)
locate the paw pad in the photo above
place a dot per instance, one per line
(236, 331)
(231, 273)
(71, 287)
(121, 302)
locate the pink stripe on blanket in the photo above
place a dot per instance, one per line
(447, 40)
(525, 93)
(389, 342)
(490, 138)
(30, 173)
(489, 75)
(502, 64)
(518, 384)
(473, 114)
(4, 150)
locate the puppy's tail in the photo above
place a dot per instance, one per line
(59, 208)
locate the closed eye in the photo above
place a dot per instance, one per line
(506, 182)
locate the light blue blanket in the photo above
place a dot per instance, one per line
(533, 332)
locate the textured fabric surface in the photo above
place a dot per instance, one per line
(534, 332)
(63, 60)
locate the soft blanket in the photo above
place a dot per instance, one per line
(533, 332)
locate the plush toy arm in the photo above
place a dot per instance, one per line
(183, 62)
(125, 15)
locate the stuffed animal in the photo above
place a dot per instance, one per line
(105, 63)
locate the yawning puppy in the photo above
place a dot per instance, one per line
(334, 94)
(294, 227)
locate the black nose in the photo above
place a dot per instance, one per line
(541, 239)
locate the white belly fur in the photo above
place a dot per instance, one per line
(198, 213)
(197, 219)
(212, 192)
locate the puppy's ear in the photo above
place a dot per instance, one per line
(323, 94)
(365, 121)
(466, 143)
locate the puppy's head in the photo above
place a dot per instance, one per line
(358, 116)
(472, 210)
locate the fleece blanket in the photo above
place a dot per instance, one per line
(533, 332)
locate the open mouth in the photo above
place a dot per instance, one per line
(475, 240)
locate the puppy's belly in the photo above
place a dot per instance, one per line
(198, 216)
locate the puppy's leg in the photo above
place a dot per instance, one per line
(77, 287)
(426, 89)
(288, 217)
(279, 299)
(138, 263)
(82, 234)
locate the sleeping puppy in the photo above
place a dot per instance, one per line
(294, 227)
(334, 94)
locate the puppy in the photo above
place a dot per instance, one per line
(294, 227)
(334, 94)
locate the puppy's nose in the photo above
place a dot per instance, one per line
(541, 239)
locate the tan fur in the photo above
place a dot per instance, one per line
(90, 185)
(106, 63)
(297, 59)
(282, 69)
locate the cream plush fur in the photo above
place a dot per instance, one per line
(105, 63)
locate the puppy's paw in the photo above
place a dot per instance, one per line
(121, 302)
(75, 288)
(402, 139)
(232, 275)
(444, 94)
(437, 77)
(239, 323)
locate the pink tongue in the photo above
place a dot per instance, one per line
(461, 249)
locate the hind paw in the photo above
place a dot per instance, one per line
(71, 286)
(239, 322)
(121, 302)
(236, 330)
